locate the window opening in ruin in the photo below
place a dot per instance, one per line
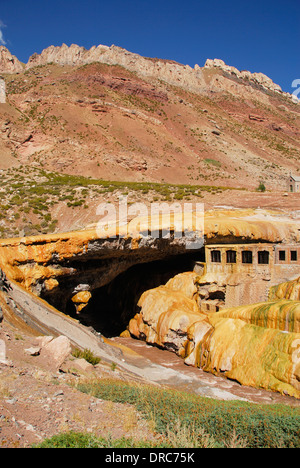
(263, 257)
(247, 256)
(282, 255)
(294, 256)
(216, 256)
(231, 256)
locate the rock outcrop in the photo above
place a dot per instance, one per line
(257, 345)
(171, 72)
(256, 78)
(43, 262)
(165, 318)
(65, 264)
(8, 62)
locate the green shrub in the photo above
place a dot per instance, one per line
(261, 187)
(86, 354)
(70, 440)
(85, 440)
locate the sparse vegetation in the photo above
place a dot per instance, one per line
(261, 187)
(200, 421)
(28, 197)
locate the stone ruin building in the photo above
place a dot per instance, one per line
(294, 183)
(239, 274)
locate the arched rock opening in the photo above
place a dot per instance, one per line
(111, 306)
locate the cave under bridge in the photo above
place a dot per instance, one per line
(105, 292)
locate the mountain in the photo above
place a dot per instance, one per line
(110, 114)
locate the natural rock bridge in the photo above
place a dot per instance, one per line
(111, 273)
(99, 279)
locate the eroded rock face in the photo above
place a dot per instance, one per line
(172, 72)
(257, 345)
(256, 78)
(255, 356)
(283, 314)
(166, 315)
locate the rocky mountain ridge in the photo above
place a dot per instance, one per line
(167, 70)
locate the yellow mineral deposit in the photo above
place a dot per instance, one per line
(283, 314)
(29, 260)
(257, 345)
(186, 283)
(81, 300)
(254, 356)
(288, 290)
(165, 317)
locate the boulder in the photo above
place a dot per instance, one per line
(167, 313)
(43, 340)
(81, 299)
(57, 350)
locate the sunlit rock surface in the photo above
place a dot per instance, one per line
(166, 315)
(252, 355)
(282, 314)
(32, 261)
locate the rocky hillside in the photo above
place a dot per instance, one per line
(109, 114)
(133, 118)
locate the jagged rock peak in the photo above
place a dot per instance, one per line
(8, 62)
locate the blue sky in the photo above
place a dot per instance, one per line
(259, 36)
